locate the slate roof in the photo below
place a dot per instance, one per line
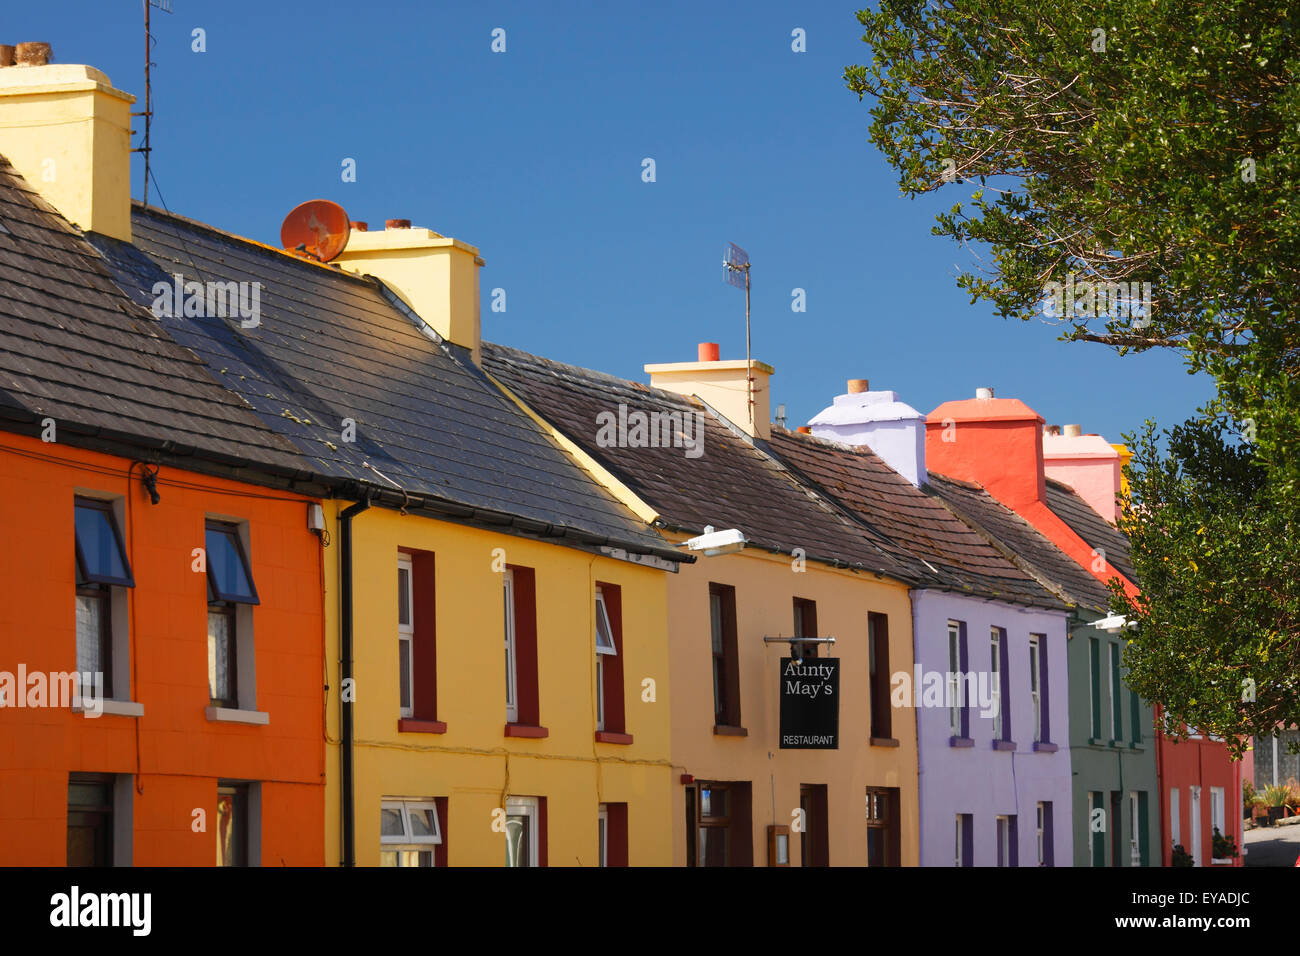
(75, 349)
(332, 346)
(731, 485)
(911, 520)
(1028, 545)
(1099, 533)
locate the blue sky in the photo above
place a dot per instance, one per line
(535, 156)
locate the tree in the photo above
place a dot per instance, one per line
(1118, 141)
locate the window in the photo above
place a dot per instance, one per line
(726, 671)
(805, 625)
(958, 713)
(232, 824)
(1217, 812)
(1135, 717)
(1115, 823)
(410, 832)
(964, 848)
(1035, 694)
(102, 572)
(1046, 854)
(525, 831)
(230, 588)
(612, 823)
(90, 820)
(405, 635)
(883, 834)
(610, 713)
(1094, 684)
(999, 684)
(1096, 828)
(814, 841)
(1116, 701)
(719, 825)
(1175, 817)
(522, 707)
(1006, 840)
(878, 674)
(1134, 832)
(1194, 824)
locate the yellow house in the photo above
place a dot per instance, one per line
(690, 454)
(496, 660)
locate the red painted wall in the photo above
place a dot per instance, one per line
(1203, 763)
(176, 754)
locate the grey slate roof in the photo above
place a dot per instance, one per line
(332, 346)
(731, 485)
(1066, 504)
(75, 349)
(911, 521)
(1029, 546)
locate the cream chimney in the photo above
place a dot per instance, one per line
(434, 275)
(723, 384)
(68, 132)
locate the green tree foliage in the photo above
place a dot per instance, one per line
(1154, 141)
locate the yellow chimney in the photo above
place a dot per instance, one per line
(68, 132)
(435, 276)
(722, 384)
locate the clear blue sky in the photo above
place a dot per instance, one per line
(534, 156)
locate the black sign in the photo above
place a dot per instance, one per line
(810, 703)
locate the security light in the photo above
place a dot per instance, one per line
(714, 543)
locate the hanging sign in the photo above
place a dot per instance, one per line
(810, 703)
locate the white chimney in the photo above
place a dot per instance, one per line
(878, 420)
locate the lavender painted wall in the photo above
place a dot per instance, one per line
(978, 779)
(892, 429)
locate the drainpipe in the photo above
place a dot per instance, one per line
(345, 675)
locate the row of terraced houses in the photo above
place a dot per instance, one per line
(363, 589)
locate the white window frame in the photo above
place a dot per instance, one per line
(1135, 851)
(1175, 818)
(406, 636)
(530, 808)
(954, 677)
(1002, 825)
(602, 614)
(1194, 821)
(407, 841)
(1040, 822)
(1218, 813)
(512, 671)
(602, 824)
(1035, 685)
(995, 680)
(957, 857)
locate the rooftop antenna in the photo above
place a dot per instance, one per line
(735, 263)
(149, 43)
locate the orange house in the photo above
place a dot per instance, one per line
(136, 551)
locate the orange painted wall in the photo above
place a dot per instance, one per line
(176, 753)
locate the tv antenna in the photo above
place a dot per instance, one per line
(735, 263)
(149, 43)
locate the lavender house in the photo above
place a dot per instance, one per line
(989, 687)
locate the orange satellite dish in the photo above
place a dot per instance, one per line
(317, 229)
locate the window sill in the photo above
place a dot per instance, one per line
(414, 725)
(726, 730)
(526, 730)
(229, 715)
(883, 742)
(114, 708)
(1004, 745)
(612, 737)
(960, 742)
(1218, 862)
(1098, 742)
(1045, 747)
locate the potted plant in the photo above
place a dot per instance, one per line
(1223, 848)
(1181, 857)
(1275, 798)
(1248, 796)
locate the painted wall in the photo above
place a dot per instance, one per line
(1088, 465)
(174, 752)
(1107, 766)
(1202, 763)
(765, 588)
(979, 780)
(474, 765)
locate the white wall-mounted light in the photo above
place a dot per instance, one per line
(1114, 624)
(714, 543)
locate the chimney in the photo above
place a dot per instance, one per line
(1088, 464)
(723, 385)
(68, 132)
(996, 442)
(893, 430)
(434, 275)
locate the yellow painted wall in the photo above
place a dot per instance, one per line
(765, 588)
(473, 763)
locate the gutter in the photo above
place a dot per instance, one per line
(345, 675)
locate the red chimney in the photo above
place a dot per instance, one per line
(995, 442)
